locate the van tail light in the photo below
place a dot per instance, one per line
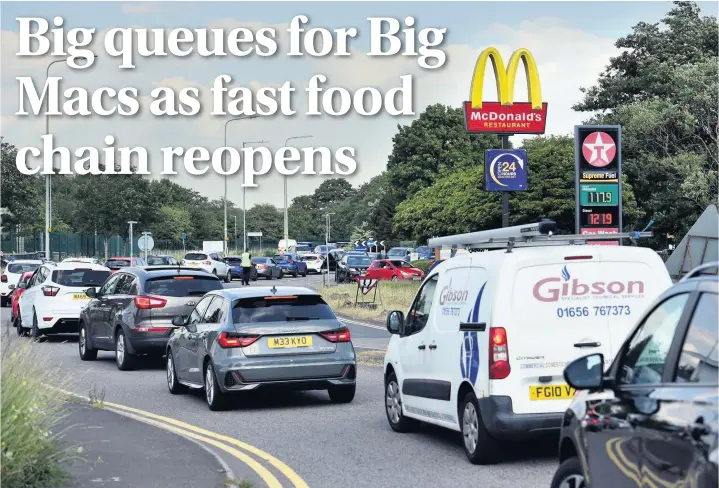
(3, 278)
(148, 302)
(226, 340)
(342, 335)
(498, 354)
(207, 262)
(50, 291)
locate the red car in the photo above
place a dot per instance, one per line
(117, 263)
(393, 269)
(15, 297)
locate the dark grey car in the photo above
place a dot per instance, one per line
(132, 311)
(261, 337)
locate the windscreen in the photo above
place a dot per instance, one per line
(233, 260)
(80, 277)
(182, 286)
(281, 258)
(156, 261)
(195, 256)
(21, 267)
(310, 257)
(402, 264)
(398, 251)
(259, 260)
(281, 309)
(354, 261)
(117, 263)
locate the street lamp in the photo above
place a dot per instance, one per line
(48, 178)
(286, 221)
(328, 223)
(131, 238)
(235, 217)
(244, 201)
(224, 159)
(327, 242)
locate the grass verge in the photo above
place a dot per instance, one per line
(30, 454)
(390, 296)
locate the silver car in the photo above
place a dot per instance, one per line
(243, 339)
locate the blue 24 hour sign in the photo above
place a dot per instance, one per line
(505, 170)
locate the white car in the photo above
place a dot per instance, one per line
(11, 276)
(211, 262)
(483, 346)
(315, 263)
(82, 260)
(55, 296)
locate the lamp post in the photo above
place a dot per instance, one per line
(224, 159)
(286, 232)
(327, 242)
(131, 238)
(244, 200)
(235, 217)
(48, 178)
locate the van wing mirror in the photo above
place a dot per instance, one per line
(395, 319)
(586, 373)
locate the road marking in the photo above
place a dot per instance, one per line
(288, 472)
(362, 324)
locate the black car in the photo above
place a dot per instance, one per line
(132, 311)
(163, 260)
(267, 268)
(235, 264)
(351, 266)
(650, 419)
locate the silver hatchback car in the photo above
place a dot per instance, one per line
(261, 337)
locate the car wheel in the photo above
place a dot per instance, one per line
(394, 278)
(393, 407)
(34, 330)
(228, 277)
(255, 278)
(295, 274)
(269, 276)
(125, 361)
(87, 353)
(18, 327)
(342, 393)
(216, 398)
(569, 474)
(479, 447)
(304, 275)
(173, 383)
(214, 272)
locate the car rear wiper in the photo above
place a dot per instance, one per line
(292, 319)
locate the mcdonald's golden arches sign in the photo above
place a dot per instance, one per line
(505, 115)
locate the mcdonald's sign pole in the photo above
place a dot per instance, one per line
(506, 117)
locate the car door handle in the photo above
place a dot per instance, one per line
(433, 346)
(587, 344)
(422, 347)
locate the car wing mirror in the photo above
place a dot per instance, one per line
(91, 292)
(11, 287)
(586, 373)
(395, 319)
(179, 321)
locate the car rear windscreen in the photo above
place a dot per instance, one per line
(310, 257)
(157, 261)
(80, 277)
(281, 309)
(195, 256)
(117, 263)
(358, 261)
(21, 267)
(400, 251)
(259, 260)
(182, 286)
(233, 260)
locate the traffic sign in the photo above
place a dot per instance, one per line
(145, 243)
(381, 243)
(183, 236)
(254, 234)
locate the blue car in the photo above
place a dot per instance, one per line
(235, 265)
(291, 264)
(424, 253)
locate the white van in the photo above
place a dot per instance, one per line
(483, 347)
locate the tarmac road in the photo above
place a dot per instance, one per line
(328, 446)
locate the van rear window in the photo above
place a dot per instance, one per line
(275, 309)
(182, 286)
(80, 277)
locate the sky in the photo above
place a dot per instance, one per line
(571, 42)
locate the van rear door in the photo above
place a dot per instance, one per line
(565, 308)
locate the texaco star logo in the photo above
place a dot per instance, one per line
(599, 149)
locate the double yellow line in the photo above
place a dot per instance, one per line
(236, 448)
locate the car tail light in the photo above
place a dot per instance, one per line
(148, 302)
(207, 262)
(3, 278)
(261, 266)
(151, 329)
(50, 291)
(342, 335)
(226, 340)
(498, 354)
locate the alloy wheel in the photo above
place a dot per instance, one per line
(82, 341)
(170, 371)
(393, 402)
(210, 384)
(470, 427)
(572, 481)
(120, 349)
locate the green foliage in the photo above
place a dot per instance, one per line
(22, 195)
(171, 222)
(422, 264)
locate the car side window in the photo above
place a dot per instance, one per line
(422, 306)
(125, 285)
(698, 362)
(199, 312)
(214, 311)
(42, 275)
(646, 354)
(33, 279)
(109, 287)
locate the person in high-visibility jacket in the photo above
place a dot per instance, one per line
(246, 267)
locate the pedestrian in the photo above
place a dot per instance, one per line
(246, 268)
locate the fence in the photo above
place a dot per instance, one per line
(62, 244)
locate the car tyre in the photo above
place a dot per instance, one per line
(18, 326)
(214, 272)
(569, 474)
(295, 274)
(342, 393)
(253, 279)
(3, 302)
(304, 275)
(228, 277)
(269, 276)
(479, 446)
(217, 400)
(87, 353)
(125, 361)
(394, 278)
(173, 384)
(393, 407)
(34, 330)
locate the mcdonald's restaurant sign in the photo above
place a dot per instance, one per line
(506, 115)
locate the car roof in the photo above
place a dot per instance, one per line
(25, 261)
(93, 266)
(122, 257)
(160, 271)
(704, 272)
(263, 291)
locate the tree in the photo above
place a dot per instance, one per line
(267, 219)
(331, 192)
(172, 222)
(21, 194)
